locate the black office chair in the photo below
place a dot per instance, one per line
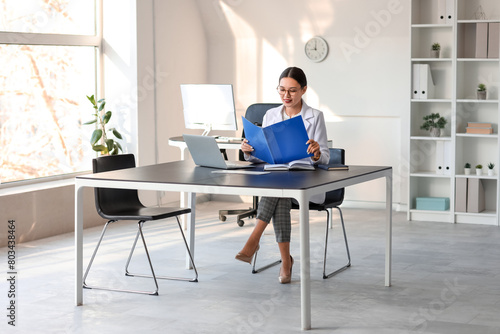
(124, 204)
(333, 199)
(255, 114)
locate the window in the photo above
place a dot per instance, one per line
(48, 51)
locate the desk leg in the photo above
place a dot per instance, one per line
(388, 230)
(305, 264)
(78, 245)
(191, 228)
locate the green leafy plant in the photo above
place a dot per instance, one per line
(100, 140)
(491, 165)
(467, 165)
(479, 166)
(436, 47)
(433, 121)
(481, 87)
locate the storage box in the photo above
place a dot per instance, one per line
(433, 203)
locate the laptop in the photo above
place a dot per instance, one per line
(206, 153)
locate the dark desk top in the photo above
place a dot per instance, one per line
(185, 172)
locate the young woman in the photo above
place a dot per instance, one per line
(292, 86)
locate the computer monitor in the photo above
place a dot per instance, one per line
(208, 107)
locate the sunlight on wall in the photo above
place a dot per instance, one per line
(272, 67)
(312, 99)
(319, 18)
(246, 48)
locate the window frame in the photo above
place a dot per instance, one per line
(46, 39)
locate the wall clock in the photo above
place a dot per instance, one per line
(316, 49)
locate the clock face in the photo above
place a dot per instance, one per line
(316, 49)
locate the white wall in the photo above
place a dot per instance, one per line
(363, 85)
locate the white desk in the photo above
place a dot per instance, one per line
(183, 176)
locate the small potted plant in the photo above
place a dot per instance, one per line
(435, 49)
(491, 172)
(101, 140)
(467, 169)
(434, 123)
(481, 91)
(479, 170)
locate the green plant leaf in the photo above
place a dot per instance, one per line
(116, 133)
(90, 122)
(101, 106)
(96, 135)
(91, 99)
(110, 144)
(101, 100)
(106, 117)
(100, 148)
(118, 146)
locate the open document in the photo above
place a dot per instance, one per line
(279, 143)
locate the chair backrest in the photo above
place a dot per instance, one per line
(108, 200)
(337, 156)
(255, 114)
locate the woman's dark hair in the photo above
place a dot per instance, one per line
(295, 73)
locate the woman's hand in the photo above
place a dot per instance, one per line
(245, 147)
(314, 149)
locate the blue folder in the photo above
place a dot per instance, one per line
(279, 143)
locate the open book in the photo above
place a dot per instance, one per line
(278, 143)
(294, 165)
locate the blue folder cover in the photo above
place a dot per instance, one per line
(279, 143)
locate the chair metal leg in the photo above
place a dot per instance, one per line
(195, 279)
(255, 271)
(325, 276)
(85, 285)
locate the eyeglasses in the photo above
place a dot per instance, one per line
(282, 91)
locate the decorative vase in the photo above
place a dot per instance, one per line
(491, 172)
(435, 132)
(481, 95)
(479, 171)
(434, 53)
(467, 171)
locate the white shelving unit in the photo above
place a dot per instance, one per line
(456, 74)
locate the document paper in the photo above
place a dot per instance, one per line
(279, 143)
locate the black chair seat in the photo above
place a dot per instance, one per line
(141, 212)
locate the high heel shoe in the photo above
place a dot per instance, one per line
(287, 278)
(245, 258)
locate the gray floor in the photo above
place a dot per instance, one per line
(446, 279)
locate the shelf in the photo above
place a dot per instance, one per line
(474, 135)
(429, 174)
(432, 25)
(456, 76)
(474, 176)
(476, 101)
(478, 59)
(430, 138)
(478, 21)
(431, 59)
(431, 100)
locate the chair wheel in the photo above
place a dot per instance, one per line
(241, 223)
(222, 218)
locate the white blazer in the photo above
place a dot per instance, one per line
(314, 122)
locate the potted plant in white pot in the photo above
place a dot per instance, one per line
(435, 49)
(479, 169)
(491, 172)
(434, 123)
(481, 91)
(467, 169)
(101, 140)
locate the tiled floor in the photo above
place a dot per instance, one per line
(446, 279)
